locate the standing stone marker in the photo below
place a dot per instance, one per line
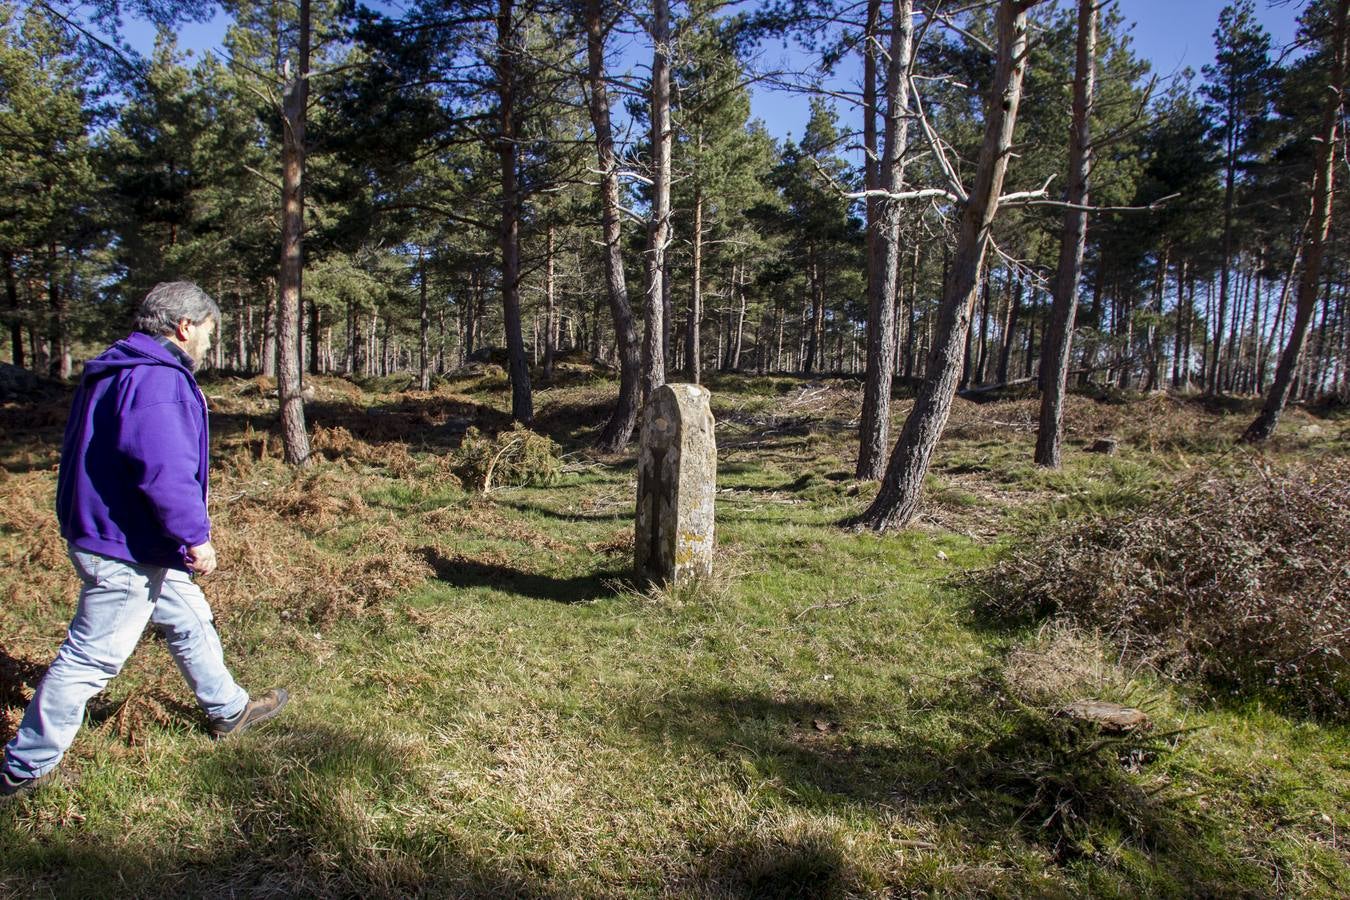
(677, 476)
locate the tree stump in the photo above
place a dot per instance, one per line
(677, 478)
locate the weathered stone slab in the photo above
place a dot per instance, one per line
(677, 480)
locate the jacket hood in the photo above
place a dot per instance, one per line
(137, 349)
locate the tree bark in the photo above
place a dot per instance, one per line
(1009, 327)
(1178, 342)
(15, 323)
(693, 342)
(1155, 339)
(294, 438)
(315, 350)
(739, 340)
(475, 303)
(871, 157)
(898, 499)
(874, 424)
(1058, 338)
(815, 340)
(508, 50)
(911, 325)
(658, 234)
(1315, 236)
(619, 429)
(550, 306)
(423, 326)
(982, 359)
(58, 324)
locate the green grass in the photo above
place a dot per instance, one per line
(825, 718)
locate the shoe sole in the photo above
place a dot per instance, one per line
(270, 714)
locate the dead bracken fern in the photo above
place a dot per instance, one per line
(1241, 579)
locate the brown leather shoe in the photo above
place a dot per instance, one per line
(255, 713)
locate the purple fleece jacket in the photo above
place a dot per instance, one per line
(133, 477)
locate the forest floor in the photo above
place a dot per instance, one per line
(485, 705)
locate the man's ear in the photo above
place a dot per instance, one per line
(183, 328)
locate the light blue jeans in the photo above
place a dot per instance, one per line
(117, 599)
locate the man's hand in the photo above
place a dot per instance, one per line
(202, 559)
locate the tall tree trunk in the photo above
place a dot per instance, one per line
(1213, 381)
(475, 302)
(243, 335)
(739, 340)
(58, 335)
(1277, 324)
(658, 234)
(423, 326)
(693, 342)
(872, 163)
(550, 307)
(16, 322)
(983, 357)
(1181, 314)
(1009, 327)
(1089, 364)
(816, 338)
(269, 330)
(314, 347)
(508, 144)
(1315, 235)
(619, 428)
(778, 340)
(293, 435)
(898, 499)
(911, 324)
(1155, 335)
(874, 425)
(440, 339)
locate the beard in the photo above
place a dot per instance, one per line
(197, 349)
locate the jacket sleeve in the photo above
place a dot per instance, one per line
(161, 443)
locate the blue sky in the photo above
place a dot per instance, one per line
(1170, 34)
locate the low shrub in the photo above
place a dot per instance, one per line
(1241, 579)
(515, 457)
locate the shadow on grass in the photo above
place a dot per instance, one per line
(574, 425)
(621, 514)
(774, 866)
(468, 573)
(315, 814)
(1010, 776)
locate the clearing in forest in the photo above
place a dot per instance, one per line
(485, 705)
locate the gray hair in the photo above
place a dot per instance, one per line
(169, 302)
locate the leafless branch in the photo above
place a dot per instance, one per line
(930, 135)
(263, 177)
(1060, 204)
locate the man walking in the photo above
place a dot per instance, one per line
(131, 500)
